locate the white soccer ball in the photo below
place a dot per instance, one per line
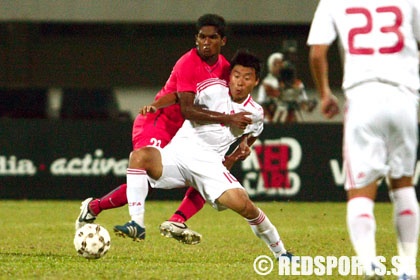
(92, 241)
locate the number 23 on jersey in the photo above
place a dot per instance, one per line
(393, 29)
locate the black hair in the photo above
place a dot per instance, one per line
(212, 20)
(247, 59)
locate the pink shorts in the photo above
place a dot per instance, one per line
(146, 134)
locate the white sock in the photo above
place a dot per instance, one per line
(362, 228)
(137, 189)
(406, 221)
(265, 230)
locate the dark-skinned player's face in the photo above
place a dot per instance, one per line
(209, 43)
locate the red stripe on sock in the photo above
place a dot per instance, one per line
(258, 220)
(133, 171)
(365, 216)
(406, 212)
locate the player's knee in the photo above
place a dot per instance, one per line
(246, 208)
(135, 158)
(139, 158)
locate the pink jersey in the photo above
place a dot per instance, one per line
(377, 36)
(189, 70)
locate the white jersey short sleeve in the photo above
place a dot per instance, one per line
(381, 78)
(375, 36)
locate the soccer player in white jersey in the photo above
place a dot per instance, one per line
(195, 154)
(379, 39)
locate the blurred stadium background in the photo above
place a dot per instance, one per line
(74, 73)
(129, 47)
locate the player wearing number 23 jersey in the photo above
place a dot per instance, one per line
(381, 80)
(379, 39)
(376, 36)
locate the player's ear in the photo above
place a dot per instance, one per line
(257, 81)
(224, 40)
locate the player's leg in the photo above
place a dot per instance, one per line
(91, 207)
(406, 221)
(238, 200)
(361, 224)
(365, 160)
(403, 158)
(115, 198)
(142, 162)
(190, 205)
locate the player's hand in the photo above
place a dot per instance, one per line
(329, 106)
(147, 109)
(243, 152)
(240, 153)
(239, 120)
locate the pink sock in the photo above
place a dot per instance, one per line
(191, 204)
(115, 198)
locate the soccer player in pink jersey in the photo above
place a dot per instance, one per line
(381, 82)
(157, 129)
(194, 156)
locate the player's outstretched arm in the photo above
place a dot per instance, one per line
(319, 69)
(198, 114)
(162, 102)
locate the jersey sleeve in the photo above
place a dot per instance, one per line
(257, 126)
(185, 73)
(322, 31)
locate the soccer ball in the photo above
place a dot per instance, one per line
(92, 241)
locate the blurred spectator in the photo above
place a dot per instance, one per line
(293, 97)
(290, 54)
(268, 91)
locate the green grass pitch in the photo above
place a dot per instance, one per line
(36, 241)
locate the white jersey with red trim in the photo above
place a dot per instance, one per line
(377, 37)
(213, 94)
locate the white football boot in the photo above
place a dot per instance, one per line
(85, 217)
(180, 232)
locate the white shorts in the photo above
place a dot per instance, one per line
(380, 133)
(202, 170)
